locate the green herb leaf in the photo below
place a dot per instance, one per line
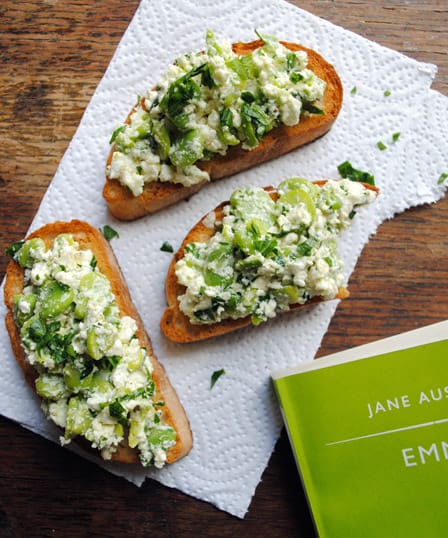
(395, 137)
(346, 170)
(14, 248)
(215, 376)
(109, 363)
(304, 249)
(248, 97)
(166, 247)
(312, 109)
(180, 93)
(206, 77)
(116, 410)
(381, 145)
(239, 65)
(192, 249)
(226, 118)
(116, 133)
(265, 246)
(93, 262)
(442, 178)
(354, 90)
(290, 61)
(255, 123)
(109, 233)
(387, 93)
(37, 330)
(295, 77)
(205, 315)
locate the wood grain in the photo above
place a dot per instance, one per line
(53, 54)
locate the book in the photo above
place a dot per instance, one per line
(369, 432)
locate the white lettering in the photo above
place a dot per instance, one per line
(445, 450)
(437, 396)
(392, 404)
(396, 403)
(405, 401)
(421, 455)
(408, 457)
(427, 452)
(434, 395)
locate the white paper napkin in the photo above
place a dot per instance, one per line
(236, 424)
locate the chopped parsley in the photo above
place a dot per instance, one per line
(354, 90)
(346, 170)
(14, 248)
(116, 133)
(443, 176)
(215, 376)
(109, 233)
(382, 146)
(166, 247)
(387, 93)
(312, 109)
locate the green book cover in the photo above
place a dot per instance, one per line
(369, 431)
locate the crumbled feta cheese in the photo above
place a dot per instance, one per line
(221, 98)
(265, 256)
(94, 371)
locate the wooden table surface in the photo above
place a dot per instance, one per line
(53, 53)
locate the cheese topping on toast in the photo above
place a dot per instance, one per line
(269, 250)
(207, 102)
(93, 375)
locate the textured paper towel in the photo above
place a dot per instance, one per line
(236, 424)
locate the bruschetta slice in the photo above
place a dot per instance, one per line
(217, 113)
(82, 347)
(264, 252)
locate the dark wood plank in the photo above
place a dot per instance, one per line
(53, 55)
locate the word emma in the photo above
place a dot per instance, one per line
(400, 402)
(420, 455)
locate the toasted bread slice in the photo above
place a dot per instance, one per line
(90, 238)
(282, 139)
(175, 325)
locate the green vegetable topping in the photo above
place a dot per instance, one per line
(387, 93)
(208, 102)
(14, 248)
(442, 178)
(116, 133)
(395, 137)
(312, 109)
(354, 90)
(381, 146)
(109, 233)
(269, 252)
(166, 247)
(346, 170)
(215, 376)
